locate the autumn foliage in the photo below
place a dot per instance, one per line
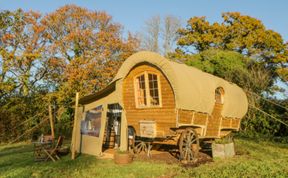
(71, 49)
(241, 33)
(86, 47)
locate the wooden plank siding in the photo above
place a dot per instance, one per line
(211, 127)
(187, 117)
(192, 118)
(165, 116)
(214, 121)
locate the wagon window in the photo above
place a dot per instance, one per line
(153, 89)
(141, 90)
(147, 90)
(219, 95)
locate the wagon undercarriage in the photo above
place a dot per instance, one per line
(185, 144)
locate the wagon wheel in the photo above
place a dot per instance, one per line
(131, 139)
(188, 145)
(140, 146)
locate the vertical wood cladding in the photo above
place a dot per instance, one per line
(164, 116)
(214, 122)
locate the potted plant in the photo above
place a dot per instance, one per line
(123, 157)
(223, 147)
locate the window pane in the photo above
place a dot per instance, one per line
(153, 89)
(141, 90)
(92, 123)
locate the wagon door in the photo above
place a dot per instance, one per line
(112, 132)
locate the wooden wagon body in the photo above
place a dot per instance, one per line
(167, 102)
(162, 120)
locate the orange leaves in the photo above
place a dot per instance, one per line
(71, 49)
(7, 37)
(55, 62)
(201, 34)
(91, 46)
(38, 29)
(283, 72)
(237, 32)
(22, 48)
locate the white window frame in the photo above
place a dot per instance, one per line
(147, 90)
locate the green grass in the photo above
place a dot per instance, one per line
(17, 161)
(257, 159)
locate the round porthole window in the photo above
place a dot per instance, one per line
(219, 95)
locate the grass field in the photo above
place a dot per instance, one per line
(255, 159)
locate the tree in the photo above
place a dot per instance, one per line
(152, 34)
(22, 45)
(252, 77)
(233, 67)
(45, 60)
(86, 48)
(169, 31)
(23, 70)
(240, 33)
(243, 51)
(160, 35)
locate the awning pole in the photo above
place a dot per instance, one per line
(51, 121)
(74, 127)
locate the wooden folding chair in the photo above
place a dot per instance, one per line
(39, 147)
(52, 153)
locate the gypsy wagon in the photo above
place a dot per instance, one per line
(155, 100)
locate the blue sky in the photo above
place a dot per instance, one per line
(132, 13)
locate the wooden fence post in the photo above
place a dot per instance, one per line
(74, 127)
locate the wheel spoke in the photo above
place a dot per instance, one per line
(185, 154)
(195, 139)
(191, 155)
(188, 137)
(141, 146)
(188, 157)
(138, 148)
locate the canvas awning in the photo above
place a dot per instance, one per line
(95, 96)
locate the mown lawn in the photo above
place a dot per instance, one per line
(256, 159)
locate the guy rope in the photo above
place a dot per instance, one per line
(265, 113)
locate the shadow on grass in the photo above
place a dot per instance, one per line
(16, 150)
(18, 161)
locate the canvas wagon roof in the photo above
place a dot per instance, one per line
(193, 88)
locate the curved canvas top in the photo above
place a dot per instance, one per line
(194, 89)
